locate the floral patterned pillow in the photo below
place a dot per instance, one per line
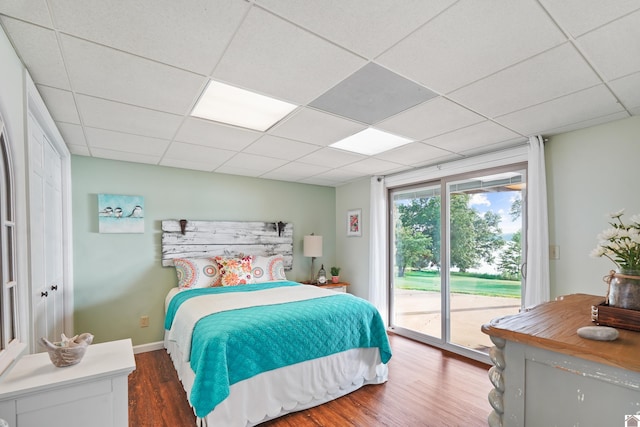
(267, 269)
(196, 272)
(234, 271)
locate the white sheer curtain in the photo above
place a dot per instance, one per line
(537, 268)
(378, 247)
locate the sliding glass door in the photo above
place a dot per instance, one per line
(417, 284)
(456, 257)
(485, 219)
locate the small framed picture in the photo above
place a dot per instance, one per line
(120, 214)
(354, 223)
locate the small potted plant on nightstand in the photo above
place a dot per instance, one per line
(335, 274)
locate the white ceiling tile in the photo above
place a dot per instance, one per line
(363, 26)
(100, 113)
(588, 123)
(340, 175)
(331, 158)
(635, 111)
(614, 49)
(187, 164)
(192, 37)
(39, 50)
(579, 16)
(107, 73)
(317, 180)
(294, 171)
(552, 74)
(80, 150)
(471, 40)
(587, 104)
(229, 170)
(118, 141)
(35, 11)
(280, 148)
(60, 104)
(449, 158)
(182, 153)
(125, 157)
(260, 164)
(72, 134)
(215, 135)
(627, 89)
(476, 136)
(276, 58)
(316, 127)
(432, 118)
(373, 166)
(494, 147)
(413, 153)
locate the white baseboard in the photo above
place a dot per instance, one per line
(152, 346)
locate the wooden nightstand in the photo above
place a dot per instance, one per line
(338, 287)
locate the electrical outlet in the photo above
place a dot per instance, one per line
(144, 321)
(554, 252)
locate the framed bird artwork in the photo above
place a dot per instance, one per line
(120, 214)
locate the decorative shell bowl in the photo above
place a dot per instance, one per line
(68, 351)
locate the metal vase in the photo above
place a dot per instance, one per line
(624, 290)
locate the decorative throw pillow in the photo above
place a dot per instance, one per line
(234, 271)
(267, 269)
(196, 272)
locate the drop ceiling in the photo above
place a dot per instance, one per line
(459, 78)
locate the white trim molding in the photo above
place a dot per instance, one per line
(484, 161)
(152, 346)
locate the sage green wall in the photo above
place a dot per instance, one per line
(353, 252)
(119, 277)
(590, 173)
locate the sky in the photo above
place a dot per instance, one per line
(500, 203)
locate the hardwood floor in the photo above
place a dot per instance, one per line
(426, 387)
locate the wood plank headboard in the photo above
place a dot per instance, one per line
(227, 238)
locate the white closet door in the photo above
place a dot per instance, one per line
(53, 241)
(36, 229)
(46, 236)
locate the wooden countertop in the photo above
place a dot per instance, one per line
(553, 325)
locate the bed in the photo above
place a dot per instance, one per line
(250, 353)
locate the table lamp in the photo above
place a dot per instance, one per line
(312, 247)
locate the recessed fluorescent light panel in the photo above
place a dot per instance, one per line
(370, 141)
(227, 104)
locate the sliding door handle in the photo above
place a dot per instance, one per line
(523, 270)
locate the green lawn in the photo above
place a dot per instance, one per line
(460, 283)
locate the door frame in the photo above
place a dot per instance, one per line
(443, 180)
(36, 107)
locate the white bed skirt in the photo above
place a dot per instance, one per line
(293, 388)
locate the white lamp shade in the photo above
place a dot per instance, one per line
(312, 246)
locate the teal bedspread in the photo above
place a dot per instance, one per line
(231, 346)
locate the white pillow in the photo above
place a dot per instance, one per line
(196, 272)
(267, 269)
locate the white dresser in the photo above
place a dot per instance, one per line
(94, 392)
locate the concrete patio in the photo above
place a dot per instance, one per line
(420, 311)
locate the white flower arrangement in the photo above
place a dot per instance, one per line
(621, 242)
